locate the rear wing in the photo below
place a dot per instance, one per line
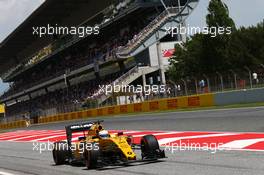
(78, 128)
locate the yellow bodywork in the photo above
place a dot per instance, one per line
(117, 143)
(114, 143)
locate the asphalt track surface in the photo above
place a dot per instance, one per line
(19, 158)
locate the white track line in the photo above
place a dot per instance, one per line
(240, 144)
(132, 132)
(54, 136)
(233, 145)
(42, 133)
(20, 135)
(5, 173)
(16, 133)
(158, 134)
(37, 135)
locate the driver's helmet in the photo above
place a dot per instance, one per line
(104, 134)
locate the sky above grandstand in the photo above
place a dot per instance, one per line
(244, 13)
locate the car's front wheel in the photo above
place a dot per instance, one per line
(149, 146)
(91, 156)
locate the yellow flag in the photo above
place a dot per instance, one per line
(2, 109)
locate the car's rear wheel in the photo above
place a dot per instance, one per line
(91, 156)
(60, 152)
(149, 146)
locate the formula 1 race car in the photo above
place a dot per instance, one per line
(97, 148)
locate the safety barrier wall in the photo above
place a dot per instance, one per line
(148, 106)
(202, 100)
(12, 125)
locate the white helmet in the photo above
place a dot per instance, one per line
(104, 134)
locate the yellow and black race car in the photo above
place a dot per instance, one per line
(98, 148)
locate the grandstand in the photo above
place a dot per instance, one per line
(62, 73)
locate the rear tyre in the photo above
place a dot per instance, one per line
(60, 152)
(149, 146)
(91, 156)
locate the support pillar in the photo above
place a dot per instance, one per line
(161, 67)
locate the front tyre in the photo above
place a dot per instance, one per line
(91, 156)
(150, 147)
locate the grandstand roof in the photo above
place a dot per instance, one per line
(21, 43)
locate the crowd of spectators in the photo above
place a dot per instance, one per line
(113, 11)
(85, 53)
(101, 51)
(154, 22)
(59, 99)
